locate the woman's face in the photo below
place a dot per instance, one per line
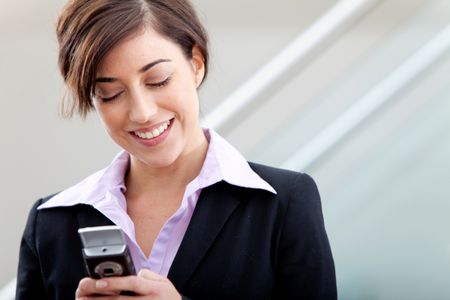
(146, 96)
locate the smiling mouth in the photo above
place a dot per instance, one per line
(153, 133)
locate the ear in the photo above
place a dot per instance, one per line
(198, 64)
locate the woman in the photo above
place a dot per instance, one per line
(200, 221)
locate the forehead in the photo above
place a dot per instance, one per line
(142, 47)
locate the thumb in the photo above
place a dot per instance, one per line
(147, 274)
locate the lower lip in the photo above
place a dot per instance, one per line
(154, 141)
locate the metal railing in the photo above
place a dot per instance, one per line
(295, 56)
(371, 102)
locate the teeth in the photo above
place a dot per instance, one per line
(154, 133)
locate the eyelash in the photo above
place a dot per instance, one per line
(109, 99)
(159, 84)
(151, 85)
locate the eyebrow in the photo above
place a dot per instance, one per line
(141, 70)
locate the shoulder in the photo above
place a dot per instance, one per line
(58, 226)
(285, 181)
(297, 194)
(38, 218)
(47, 224)
(34, 211)
(53, 220)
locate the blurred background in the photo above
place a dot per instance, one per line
(355, 93)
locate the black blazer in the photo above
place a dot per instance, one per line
(240, 244)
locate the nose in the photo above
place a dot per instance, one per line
(142, 107)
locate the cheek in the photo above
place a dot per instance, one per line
(110, 117)
(187, 98)
(187, 106)
(176, 100)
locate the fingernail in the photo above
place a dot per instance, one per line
(101, 284)
(142, 272)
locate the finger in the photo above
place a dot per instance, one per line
(138, 285)
(86, 286)
(90, 287)
(147, 274)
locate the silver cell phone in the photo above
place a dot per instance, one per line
(105, 252)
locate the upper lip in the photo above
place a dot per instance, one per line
(151, 128)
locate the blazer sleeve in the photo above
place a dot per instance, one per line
(305, 267)
(30, 284)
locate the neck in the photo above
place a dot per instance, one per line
(146, 180)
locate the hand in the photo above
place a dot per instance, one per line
(146, 285)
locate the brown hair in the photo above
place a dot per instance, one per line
(88, 29)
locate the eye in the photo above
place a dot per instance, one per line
(110, 99)
(159, 84)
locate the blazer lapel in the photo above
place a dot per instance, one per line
(213, 208)
(88, 216)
